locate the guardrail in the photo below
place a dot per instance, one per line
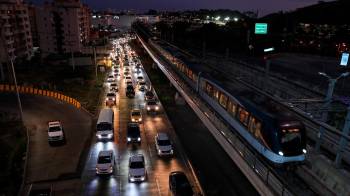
(257, 169)
(36, 91)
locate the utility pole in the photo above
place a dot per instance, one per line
(343, 140)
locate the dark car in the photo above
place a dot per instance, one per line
(179, 184)
(149, 95)
(133, 133)
(130, 92)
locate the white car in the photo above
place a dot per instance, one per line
(136, 115)
(111, 99)
(152, 106)
(137, 169)
(111, 78)
(55, 132)
(113, 87)
(105, 162)
(163, 145)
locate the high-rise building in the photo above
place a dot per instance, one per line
(15, 33)
(63, 26)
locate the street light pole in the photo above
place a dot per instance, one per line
(328, 99)
(17, 92)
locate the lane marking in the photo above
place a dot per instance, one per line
(158, 187)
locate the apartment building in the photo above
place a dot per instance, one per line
(63, 26)
(15, 33)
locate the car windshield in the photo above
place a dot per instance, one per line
(149, 93)
(110, 94)
(104, 126)
(114, 84)
(133, 131)
(104, 159)
(140, 77)
(163, 142)
(54, 129)
(151, 103)
(142, 83)
(136, 113)
(136, 165)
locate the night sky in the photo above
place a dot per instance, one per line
(264, 6)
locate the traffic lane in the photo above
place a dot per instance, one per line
(145, 188)
(45, 161)
(103, 185)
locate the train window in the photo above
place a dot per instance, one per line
(216, 94)
(255, 127)
(223, 100)
(290, 134)
(231, 108)
(209, 89)
(243, 116)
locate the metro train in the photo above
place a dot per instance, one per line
(269, 128)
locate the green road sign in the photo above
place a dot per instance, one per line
(260, 28)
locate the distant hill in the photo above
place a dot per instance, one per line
(334, 12)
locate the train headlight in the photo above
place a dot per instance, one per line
(304, 151)
(280, 153)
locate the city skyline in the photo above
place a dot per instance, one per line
(263, 7)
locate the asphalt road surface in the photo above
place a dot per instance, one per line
(157, 168)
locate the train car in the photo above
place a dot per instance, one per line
(271, 130)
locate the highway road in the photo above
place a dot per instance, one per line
(158, 168)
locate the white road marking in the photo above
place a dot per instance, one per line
(158, 187)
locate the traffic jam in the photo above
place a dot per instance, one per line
(135, 142)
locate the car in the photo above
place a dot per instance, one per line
(136, 115)
(105, 162)
(163, 145)
(130, 92)
(126, 73)
(179, 184)
(117, 75)
(142, 85)
(133, 133)
(113, 87)
(152, 106)
(128, 78)
(140, 78)
(55, 132)
(127, 69)
(111, 79)
(129, 83)
(110, 98)
(137, 169)
(149, 95)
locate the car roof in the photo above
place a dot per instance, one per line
(103, 153)
(137, 158)
(162, 136)
(136, 110)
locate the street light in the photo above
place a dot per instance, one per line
(328, 100)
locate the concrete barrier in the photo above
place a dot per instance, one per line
(36, 91)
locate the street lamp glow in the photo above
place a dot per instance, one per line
(235, 19)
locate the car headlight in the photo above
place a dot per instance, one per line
(171, 151)
(148, 108)
(304, 151)
(110, 135)
(110, 168)
(99, 136)
(138, 139)
(129, 139)
(143, 178)
(280, 153)
(157, 107)
(159, 151)
(107, 99)
(133, 120)
(140, 119)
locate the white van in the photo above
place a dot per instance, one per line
(105, 124)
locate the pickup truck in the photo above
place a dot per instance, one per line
(55, 132)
